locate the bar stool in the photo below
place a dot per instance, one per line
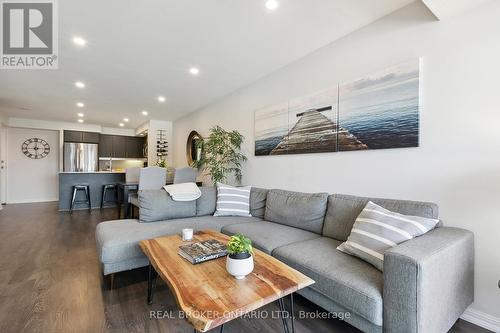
(80, 187)
(105, 189)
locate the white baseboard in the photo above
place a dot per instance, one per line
(32, 201)
(482, 319)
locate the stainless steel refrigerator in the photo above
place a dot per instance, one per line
(81, 157)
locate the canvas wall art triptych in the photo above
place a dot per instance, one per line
(379, 111)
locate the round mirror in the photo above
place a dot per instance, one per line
(194, 149)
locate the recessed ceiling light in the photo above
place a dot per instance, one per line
(144, 112)
(80, 104)
(194, 71)
(80, 114)
(125, 120)
(142, 134)
(161, 99)
(80, 120)
(272, 4)
(79, 41)
(80, 84)
(121, 124)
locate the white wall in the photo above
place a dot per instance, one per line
(458, 163)
(30, 180)
(3, 154)
(154, 126)
(61, 125)
(51, 125)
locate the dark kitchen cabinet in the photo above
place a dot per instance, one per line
(81, 137)
(135, 147)
(144, 147)
(121, 146)
(73, 136)
(91, 137)
(106, 146)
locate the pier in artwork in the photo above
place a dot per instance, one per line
(315, 133)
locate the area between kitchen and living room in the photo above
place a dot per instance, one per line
(345, 184)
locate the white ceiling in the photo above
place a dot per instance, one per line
(138, 50)
(444, 9)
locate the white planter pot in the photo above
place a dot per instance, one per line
(239, 268)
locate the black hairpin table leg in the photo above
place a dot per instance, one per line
(151, 275)
(290, 313)
(283, 311)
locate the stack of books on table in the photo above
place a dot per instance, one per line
(203, 251)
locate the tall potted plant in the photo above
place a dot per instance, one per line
(239, 262)
(222, 155)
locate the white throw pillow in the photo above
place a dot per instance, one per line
(232, 201)
(377, 229)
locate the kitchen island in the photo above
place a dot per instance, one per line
(95, 180)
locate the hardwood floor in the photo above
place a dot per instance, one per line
(50, 281)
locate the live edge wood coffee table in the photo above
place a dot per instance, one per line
(208, 295)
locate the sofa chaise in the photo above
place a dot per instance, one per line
(426, 283)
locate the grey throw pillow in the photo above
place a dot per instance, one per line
(377, 229)
(232, 201)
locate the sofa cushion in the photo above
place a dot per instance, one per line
(119, 240)
(300, 210)
(348, 281)
(258, 198)
(267, 236)
(157, 205)
(344, 209)
(205, 205)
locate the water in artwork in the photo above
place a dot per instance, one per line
(382, 110)
(379, 111)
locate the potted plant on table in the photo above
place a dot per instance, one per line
(239, 262)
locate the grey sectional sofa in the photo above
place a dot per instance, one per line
(427, 282)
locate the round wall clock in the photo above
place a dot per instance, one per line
(35, 148)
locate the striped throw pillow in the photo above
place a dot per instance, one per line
(233, 201)
(377, 229)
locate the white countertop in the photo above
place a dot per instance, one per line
(92, 172)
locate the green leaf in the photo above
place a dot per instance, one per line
(221, 154)
(239, 244)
